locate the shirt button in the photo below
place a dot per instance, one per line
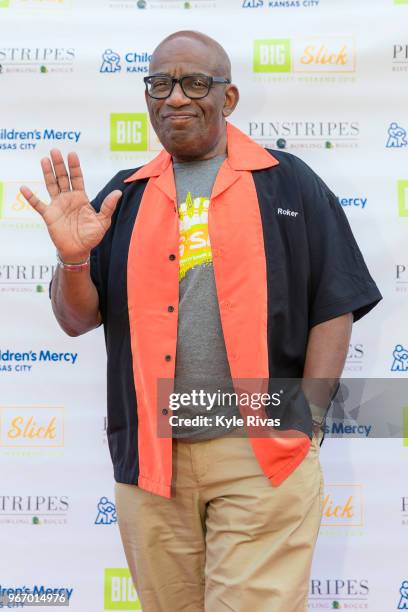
(172, 257)
(167, 357)
(170, 308)
(164, 411)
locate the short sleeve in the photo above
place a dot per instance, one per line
(94, 267)
(340, 280)
(100, 255)
(97, 255)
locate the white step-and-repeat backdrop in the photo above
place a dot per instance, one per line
(324, 79)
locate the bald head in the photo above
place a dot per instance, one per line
(180, 45)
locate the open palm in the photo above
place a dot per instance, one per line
(73, 224)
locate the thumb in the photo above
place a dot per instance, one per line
(109, 204)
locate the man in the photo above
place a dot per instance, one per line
(220, 259)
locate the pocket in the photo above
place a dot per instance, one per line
(318, 435)
(315, 443)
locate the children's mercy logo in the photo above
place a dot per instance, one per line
(131, 61)
(397, 137)
(403, 602)
(106, 512)
(400, 359)
(110, 61)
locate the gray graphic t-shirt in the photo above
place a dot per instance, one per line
(201, 358)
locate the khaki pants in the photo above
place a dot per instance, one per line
(228, 541)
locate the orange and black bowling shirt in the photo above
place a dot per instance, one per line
(284, 260)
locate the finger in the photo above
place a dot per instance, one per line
(49, 177)
(32, 199)
(75, 172)
(60, 170)
(109, 204)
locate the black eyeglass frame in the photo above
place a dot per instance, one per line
(212, 80)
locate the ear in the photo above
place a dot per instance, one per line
(231, 98)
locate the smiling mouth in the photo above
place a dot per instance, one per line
(178, 117)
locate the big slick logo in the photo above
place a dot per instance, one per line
(314, 55)
(34, 509)
(31, 427)
(132, 132)
(306, 134)
(402, 191)
(36, 59)
(338, 594)
(133, 61)
(120, 593)
(405, 425)
(15, 212)
(26, 5)
(343, 506)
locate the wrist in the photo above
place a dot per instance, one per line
(318, 413)
(73, 263)
(75, 258)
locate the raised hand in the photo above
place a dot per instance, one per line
(73, 224)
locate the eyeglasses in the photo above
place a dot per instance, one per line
(194, 86)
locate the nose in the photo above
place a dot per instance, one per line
(177, 97)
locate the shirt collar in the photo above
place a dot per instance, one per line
(243, 154)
